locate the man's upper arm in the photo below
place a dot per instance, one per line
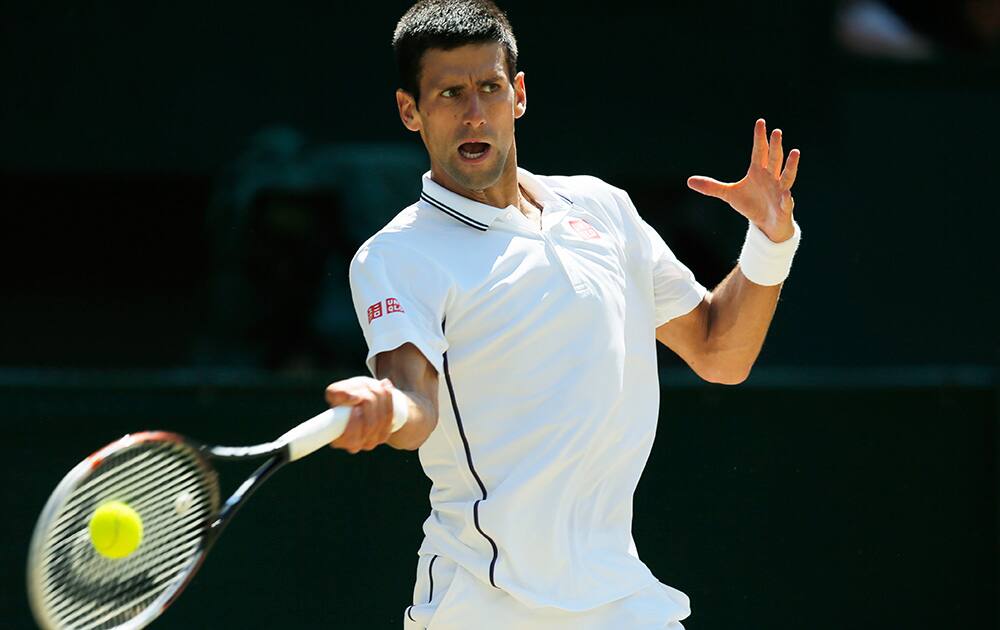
(409, 370)
(399, 298)
(687, 336)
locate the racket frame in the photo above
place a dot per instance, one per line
(300, 441)
(57, 500)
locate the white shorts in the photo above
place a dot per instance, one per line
(447, 597)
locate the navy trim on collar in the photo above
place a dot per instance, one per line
(478, 215)
(455, 214)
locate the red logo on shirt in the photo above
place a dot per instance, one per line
(392, 305)
(584, 229)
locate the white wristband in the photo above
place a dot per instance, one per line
(765, 262)
(400, 409)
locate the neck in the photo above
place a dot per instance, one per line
(504, 192)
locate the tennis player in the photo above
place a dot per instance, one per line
(519, 314)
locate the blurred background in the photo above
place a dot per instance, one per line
(182, 186)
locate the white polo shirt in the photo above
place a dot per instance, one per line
(544, 340)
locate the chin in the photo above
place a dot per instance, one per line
(479, 177)
(475, 181)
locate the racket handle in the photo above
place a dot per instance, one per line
(326, 427)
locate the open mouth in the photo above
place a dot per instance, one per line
(473, 151)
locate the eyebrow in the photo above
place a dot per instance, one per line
(448, 83)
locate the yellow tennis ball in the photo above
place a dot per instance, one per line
(115, 530)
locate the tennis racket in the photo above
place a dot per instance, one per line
(169, 481)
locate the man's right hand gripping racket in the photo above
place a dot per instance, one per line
(163, 484)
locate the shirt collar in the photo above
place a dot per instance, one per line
(480, 216)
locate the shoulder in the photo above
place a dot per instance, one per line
(595, 198)
(411, 237)
(588, 191)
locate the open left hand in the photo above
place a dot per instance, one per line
(764, 194)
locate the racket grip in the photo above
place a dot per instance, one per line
(326, 427)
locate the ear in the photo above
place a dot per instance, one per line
(408, 110)
(520, 96)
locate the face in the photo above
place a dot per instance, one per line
(466, 114)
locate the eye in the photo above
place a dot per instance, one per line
(450, 93)
(491, 87)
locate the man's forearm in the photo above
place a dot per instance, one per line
(740, 313)
(420, 423)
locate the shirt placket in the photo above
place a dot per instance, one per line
(565, 261)
(555, 251)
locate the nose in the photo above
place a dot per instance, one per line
(474, 115)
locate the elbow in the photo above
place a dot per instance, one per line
(725, 374)
(729, 379)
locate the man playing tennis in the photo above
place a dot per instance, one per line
(519, 315)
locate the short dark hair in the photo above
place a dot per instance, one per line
(448, 24)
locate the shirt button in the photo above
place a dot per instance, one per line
(509, 216)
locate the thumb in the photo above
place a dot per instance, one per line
(708, 186)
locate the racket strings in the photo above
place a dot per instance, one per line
(175, 494)
(130, 476)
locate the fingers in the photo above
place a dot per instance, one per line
(342, 393)
(760, 150)
(791, 169)
(775, 155)
(709, 186)
(370, 423)
(350, 439)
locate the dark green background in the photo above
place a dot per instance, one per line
(823, 506)
(850, 483)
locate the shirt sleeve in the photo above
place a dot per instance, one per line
(676, 292)
(399, 297)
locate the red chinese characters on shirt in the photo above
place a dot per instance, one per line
(392, 305)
